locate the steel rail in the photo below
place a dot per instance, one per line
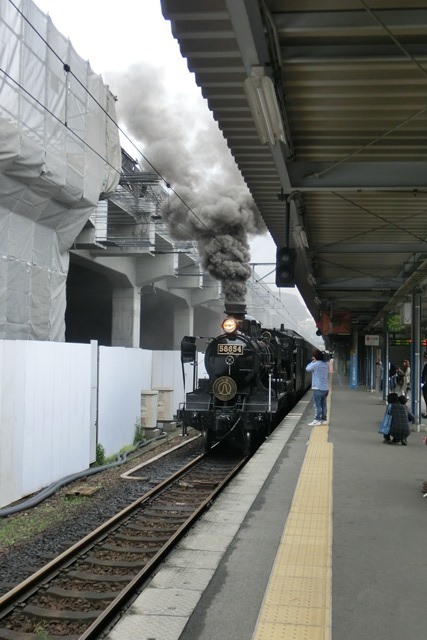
(23, 591)
(114, 608)
(30, 584)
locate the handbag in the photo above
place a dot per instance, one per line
(386, 423)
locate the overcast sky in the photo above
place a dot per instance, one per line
(130, 45)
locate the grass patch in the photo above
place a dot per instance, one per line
(40, 632)
(20, 527)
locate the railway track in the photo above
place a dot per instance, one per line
(79, 593)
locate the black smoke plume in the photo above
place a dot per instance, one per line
(182, 141)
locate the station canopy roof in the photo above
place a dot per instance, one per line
(323, 104)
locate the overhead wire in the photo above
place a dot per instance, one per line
(400, 124)
(364, 233)
(67, 69)
(380, 217)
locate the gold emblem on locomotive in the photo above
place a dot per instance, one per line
(224, 388)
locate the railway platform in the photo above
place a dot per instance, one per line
(322, 536)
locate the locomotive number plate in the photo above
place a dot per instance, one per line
(227, 349)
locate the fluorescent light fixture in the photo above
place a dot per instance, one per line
(264, 107)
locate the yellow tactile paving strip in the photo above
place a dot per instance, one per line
(297, 604)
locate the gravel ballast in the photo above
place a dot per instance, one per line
(29, 539)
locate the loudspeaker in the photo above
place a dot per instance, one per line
(285, 267)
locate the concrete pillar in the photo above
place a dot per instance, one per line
(416, 359)
(354, 360)
(126, 317)
(378, 373)
(183, 324)
(386, 359)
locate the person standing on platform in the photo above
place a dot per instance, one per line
(391, 376)
(424, 382)
(407, 377)
(400, 381)
(319, 384)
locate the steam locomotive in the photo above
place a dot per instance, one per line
(256, 376)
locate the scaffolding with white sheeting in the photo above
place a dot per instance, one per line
(60, 154)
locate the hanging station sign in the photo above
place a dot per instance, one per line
(372, 341)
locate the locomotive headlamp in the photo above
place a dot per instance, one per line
(229, 325)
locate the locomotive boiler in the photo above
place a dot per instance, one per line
(255, 376)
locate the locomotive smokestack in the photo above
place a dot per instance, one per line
(235, 308)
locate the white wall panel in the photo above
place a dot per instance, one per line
(57, 414)
(11, 429)
(146, 366)
(123, 374)
(45, 415)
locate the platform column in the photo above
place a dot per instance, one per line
(386, 359)
(126, 317)
(416, 359)
(354, 355)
